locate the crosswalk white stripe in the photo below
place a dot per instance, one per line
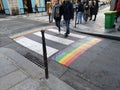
(55, 39)
(35, 46)
(71, 34)
(4, 19)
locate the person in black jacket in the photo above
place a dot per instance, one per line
(91, 6)
(95, 9)
(86, 10)
(68, 14)
(80, 12)
(57, 13)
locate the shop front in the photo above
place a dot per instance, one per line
(21, 6)
(1, 7)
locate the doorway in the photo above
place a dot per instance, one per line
(1, 7)
(27, 6)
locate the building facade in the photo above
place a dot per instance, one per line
(21, 6)
(11, 7)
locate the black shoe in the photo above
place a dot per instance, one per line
(94, 20)
(90, 19)
(118, 29)
(68, 32)
(59, 30)
(66, 35)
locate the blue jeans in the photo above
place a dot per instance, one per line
(57, 22)
(79, 17)
(67, 22)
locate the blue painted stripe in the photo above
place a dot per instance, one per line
(20, 3)
(5, 4)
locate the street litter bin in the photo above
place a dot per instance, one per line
(109, 19)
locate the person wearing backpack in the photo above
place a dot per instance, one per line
(80, 12)
(56, 13)
(68, 14)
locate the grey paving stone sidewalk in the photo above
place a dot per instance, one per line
(18, 73)
(97, 28)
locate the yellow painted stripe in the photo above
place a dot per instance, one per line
(23, 33)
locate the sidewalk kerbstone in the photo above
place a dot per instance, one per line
(55, 84)
(100, 34)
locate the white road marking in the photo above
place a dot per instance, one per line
(71, 34)
(55, 39)
(35, 46)
(3, 19)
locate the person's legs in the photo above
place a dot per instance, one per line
(57, 23)
(81, 14)
(78, 17)
(94, 17)
(67, 28)
(49, 18)
(90, 15)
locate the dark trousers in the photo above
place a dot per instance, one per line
(57, 23)
(67, 22)
(95, 17)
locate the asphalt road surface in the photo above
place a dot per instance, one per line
(82, 61)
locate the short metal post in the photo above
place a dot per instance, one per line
(45, 54)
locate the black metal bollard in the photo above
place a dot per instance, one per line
(45, 54)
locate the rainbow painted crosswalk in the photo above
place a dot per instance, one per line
(68, 55)
(75, 45)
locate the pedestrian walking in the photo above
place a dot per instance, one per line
(91, 6)
(63, 21)
(26, 10)
(68, 14)
(117, 8)
(86, 10)
(56, 13)
(80, 12)
(50, 13)
(95, 9)
(36, 8)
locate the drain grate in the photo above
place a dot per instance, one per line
(35, 60)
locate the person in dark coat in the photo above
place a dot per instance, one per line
(58, 18)
(80, 12)
(91, 6)
(36, 8)
(86, 10)
(68, 14)
(95, 9)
